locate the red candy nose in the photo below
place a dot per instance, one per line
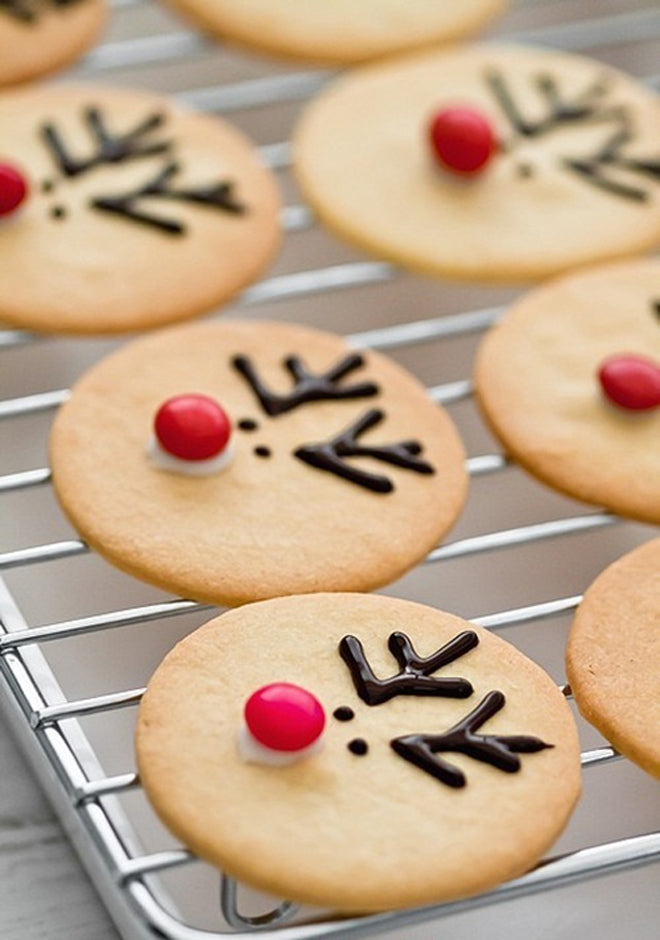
(13, 189)
(631, 382)
(462, 140)
(284, 717)
(192, 427)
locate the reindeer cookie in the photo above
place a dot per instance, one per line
(39, 36)
(613, 655)
(120, 212)
(341, 31)
(358, 752)
(486, 163)
(570, 382)
(236, 461)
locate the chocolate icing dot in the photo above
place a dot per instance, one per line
(58, 212)
(247, 424)
(47, 186)
(358, 746)
(343, 713)
(524, 170)
(262, 451)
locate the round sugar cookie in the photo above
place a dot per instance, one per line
(339, 32)
(613, 655)
(574, 176)
(339, 473)
(40, 36)
(136, 213)
(448, 761)
(537, 379)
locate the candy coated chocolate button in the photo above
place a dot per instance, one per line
(13, 189)
(632, 382)
(284, 717)
(192, 427)
(462, 140)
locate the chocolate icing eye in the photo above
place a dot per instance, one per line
(358, 746)
(284, 717)
(462, 140)
(631, 382)
(13, 189)
(192, 427)
(343, 713)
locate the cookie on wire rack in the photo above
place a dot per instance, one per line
(41, 36)
(343, 31)
(357, 752)
(489, 163)
(613, 655)
(122, 212)
(233, 461)
(569, 380)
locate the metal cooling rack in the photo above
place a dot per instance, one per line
(136, 880)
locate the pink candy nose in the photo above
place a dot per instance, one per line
(284, 717)
(192, 427)
(462, 140)
(13, 189)
(632, 382)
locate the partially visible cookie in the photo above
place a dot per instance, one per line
(133, 213)
(40, 36)
(342, 31)
(280, 461)
(358, 752)
(613, 656)
(569, 380)
(489, 163)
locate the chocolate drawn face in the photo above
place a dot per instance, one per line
(109, 148)
(280, 714)
(330, 456)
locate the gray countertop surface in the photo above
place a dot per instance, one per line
(44, 894)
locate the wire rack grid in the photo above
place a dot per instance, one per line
(134, 864)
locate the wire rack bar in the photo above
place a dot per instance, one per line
(86, 706)
(257, 92)
(110, 786)
(522, 535)
(518, 615)
(38, 553)
(24, 480)
(159, 861)
(31, 404)
(84, 625)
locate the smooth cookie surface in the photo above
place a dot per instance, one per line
(537, 382)
(138, 214)
(613, 655)
(39, 36)
(576, 177)
(341, 31)
(364, 827)
(272, 522)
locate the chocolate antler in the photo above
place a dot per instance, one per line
(329, 455)
(498, 750)
(307, 386)
(414, 676)
(111, 148)
(584, 107)
(219, 196)
(593, 169)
